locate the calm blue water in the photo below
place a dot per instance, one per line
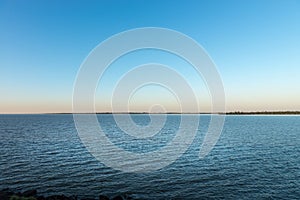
(255, 157)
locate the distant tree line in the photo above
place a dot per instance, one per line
(264, 113)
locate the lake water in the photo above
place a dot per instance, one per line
(256, 157)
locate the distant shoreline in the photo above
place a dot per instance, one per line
(265, 113)
(170, 113)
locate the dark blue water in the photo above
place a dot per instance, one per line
(255, 157)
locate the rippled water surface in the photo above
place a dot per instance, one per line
(255, 157)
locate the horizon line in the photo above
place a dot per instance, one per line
(296, 112)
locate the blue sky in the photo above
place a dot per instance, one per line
(255, 45)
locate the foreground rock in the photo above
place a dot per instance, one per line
(7, 194)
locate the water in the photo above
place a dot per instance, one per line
(255, 157)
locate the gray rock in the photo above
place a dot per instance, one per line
(102, 197)
(29, 193)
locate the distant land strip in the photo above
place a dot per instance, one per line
(263, 113)
(203, 113)
(170, 113)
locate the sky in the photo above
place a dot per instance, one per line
(255, 46)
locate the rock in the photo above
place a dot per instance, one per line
(29, 193)
(40, 198)
(119, 197)
(102, 197)
(5, 194)
(58, 197)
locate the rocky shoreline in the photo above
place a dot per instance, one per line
(7, 194)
